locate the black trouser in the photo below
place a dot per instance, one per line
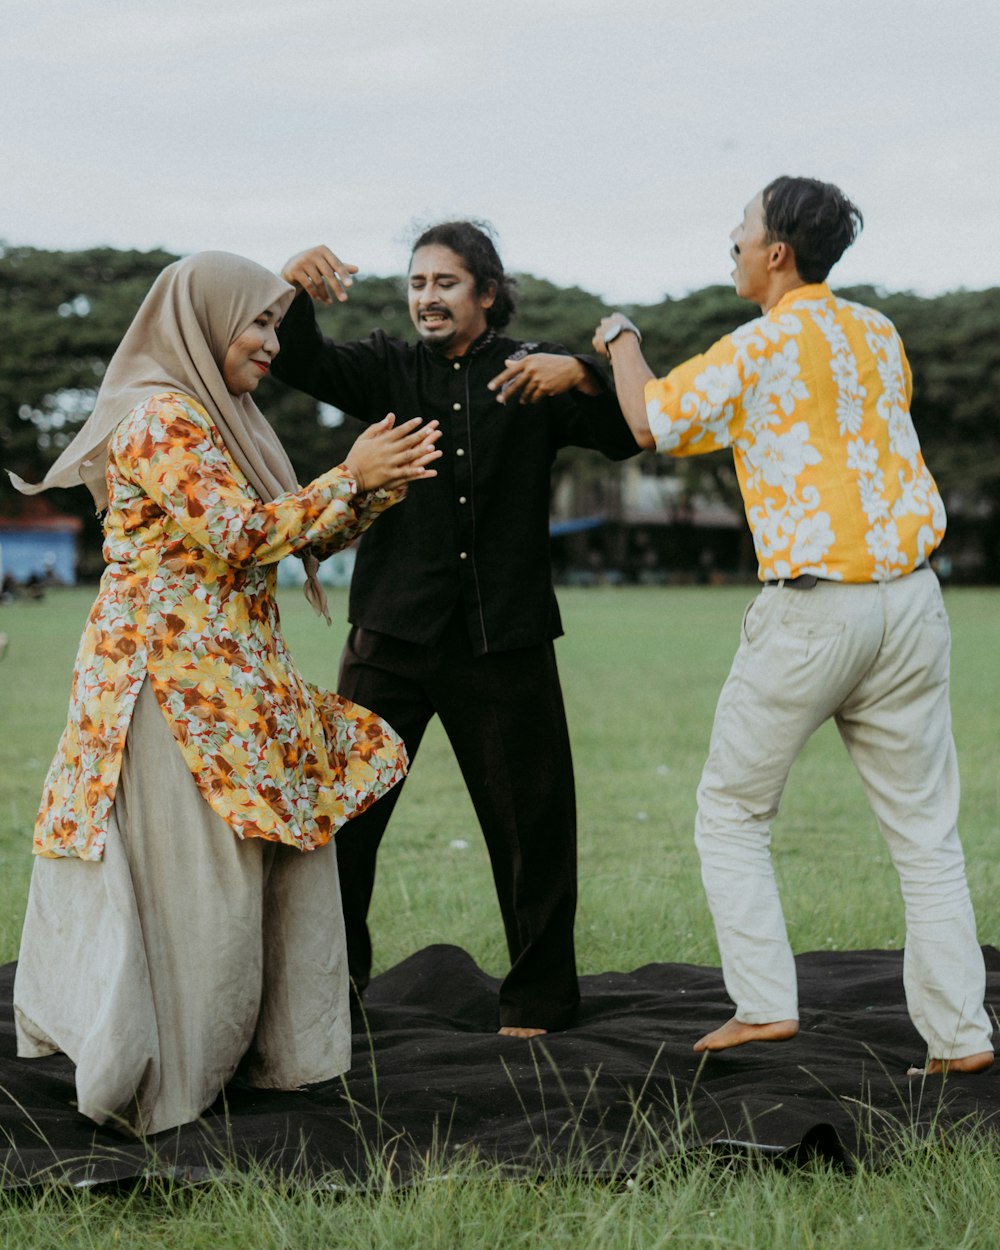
(503, 714)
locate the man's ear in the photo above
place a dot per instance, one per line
(488, 297)
(780, 256)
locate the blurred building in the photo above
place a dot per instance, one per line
(40, 545)
(626, 524)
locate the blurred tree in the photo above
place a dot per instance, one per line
(62, 315)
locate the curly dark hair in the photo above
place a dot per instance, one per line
(816, 219)
(473, 242)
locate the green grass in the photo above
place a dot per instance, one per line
(641, 671)
(925, 1197)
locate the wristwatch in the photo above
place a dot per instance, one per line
(612, 332)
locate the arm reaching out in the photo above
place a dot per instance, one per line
(171, 451)
(621, 347)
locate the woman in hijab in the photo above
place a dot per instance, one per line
(184, 923)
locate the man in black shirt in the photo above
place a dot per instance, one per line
(452, 605)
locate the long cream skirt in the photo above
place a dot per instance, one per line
(185, 957)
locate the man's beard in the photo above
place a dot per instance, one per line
(440, 336)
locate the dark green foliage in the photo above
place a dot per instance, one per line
(548, 313)
(63, 313)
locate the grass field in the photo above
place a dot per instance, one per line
(641, 670)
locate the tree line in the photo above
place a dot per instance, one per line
(63, 313)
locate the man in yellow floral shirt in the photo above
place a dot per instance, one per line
(813, 398)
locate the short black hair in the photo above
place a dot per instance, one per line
(473, 241)
(816, 219)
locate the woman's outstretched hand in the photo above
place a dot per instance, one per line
(391, 455)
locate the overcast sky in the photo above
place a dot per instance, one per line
(613, 143)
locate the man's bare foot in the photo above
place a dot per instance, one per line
(940, 1067)
(511, 1030)
(736, 1032)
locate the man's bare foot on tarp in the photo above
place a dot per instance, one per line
(737, 1033)
(512, 1030)
(940, 1067)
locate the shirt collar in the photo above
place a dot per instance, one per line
(808, 290)
(477, 345)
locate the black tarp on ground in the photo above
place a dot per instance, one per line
(432, 1079)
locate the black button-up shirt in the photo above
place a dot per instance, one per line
(478, 533)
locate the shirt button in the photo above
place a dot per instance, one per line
(456, 365)
(463, 555)
(457, 407)
(459, 451)
(461, 499)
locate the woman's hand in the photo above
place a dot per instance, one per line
(391, 455)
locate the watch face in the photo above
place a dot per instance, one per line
(613, 333)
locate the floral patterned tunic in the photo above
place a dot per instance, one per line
(188, 599)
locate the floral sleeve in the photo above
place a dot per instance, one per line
(170, 452)
(693, 409)
(367, 507)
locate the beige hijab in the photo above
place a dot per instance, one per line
(177, 342)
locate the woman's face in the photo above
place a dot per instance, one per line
(249, 355)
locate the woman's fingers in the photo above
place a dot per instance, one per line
(388, 454)
(411, 434)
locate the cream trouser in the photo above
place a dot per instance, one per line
(875, 657)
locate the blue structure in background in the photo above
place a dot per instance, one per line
(42, 546)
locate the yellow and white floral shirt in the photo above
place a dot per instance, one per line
(187, 598)
(814, 399)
